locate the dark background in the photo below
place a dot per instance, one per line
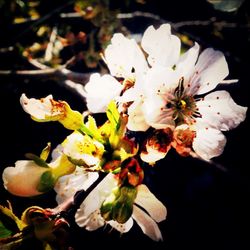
(207, 207)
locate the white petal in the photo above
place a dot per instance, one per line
(209, 143)
(74, 147)
(152, 155)
(147, 224)
(100, 90)
(159, 80)
(136, 120)
(68, 185)
(123, 228)
(41, 109)
(156, 114)
(94, 221)
(123, 56)
(219, 111)
(162, 47)
(150, 203)
(94, 200)
(22, 180)
(187, 60)
(209, 71)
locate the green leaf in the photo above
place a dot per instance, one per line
(4, 231)
(96, 133)
(10, 220)
(47, 182)
(113, 115)
(118, 125)
(40, 162)
(9, 223)
(45, 153)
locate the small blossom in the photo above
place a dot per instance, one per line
(83, 150)
(89, 216)
(176, 103)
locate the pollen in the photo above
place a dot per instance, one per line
(183, 104)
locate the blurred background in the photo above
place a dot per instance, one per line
(207, 204)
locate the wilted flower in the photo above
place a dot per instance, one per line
(47, 109)
(157, 145)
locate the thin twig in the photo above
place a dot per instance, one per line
(59, 74)
(37, 64)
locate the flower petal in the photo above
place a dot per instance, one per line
(147, 224)
(209, 71)
(83, 150)
(41, 109)
(219, 111)
(123, 56)
(156, 114)
(91, 222)
(162, 47)
(209, 143)
(150, 203)
(100, 90)
(152, 155)
(123, 228)
(94, 200)
(187, 60)
(68, 185)
(23, 179)
(136, 120)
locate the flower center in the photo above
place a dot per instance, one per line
(183, 106)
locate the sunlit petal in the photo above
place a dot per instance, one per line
(100, 90)
(123, 56)
(162, 47)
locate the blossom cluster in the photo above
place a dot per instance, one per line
(168, 96)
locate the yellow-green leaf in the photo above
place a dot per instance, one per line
(45, 153)
(10, 217)
(113, 115)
